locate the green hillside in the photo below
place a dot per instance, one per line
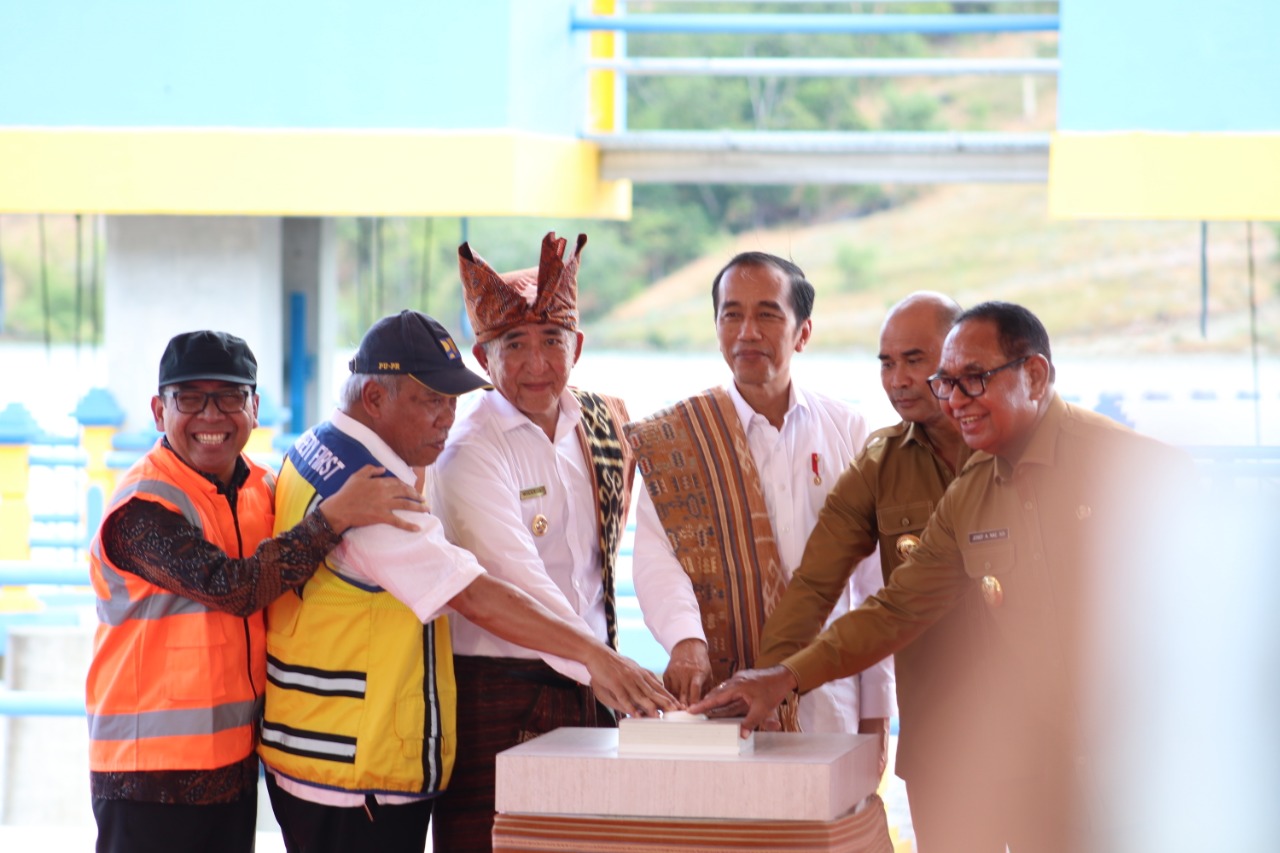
(1099, 286)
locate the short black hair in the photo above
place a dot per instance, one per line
(801, 290)
(1020, 332)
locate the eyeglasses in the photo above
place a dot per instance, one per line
(229, 402)
(972, 384)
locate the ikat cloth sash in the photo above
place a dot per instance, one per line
(697, 466)
(612, 468)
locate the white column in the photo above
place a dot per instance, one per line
(171, 274)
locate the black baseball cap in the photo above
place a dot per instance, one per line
(413, 343)
(208, 355)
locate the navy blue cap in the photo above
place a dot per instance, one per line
(413, 343)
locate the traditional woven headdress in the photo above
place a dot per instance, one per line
(497, 302)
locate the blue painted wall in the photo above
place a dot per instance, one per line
(1179, 67)
(367, 64)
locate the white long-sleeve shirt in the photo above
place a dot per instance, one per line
(816, 431)
(498, 474)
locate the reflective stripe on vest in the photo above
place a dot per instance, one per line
(120, 608)
(330, 747)
(321, 682)
(191, 721)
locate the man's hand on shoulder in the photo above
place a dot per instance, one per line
(688, 672)
(367, 497)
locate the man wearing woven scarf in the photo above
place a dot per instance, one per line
(535, 481)
(734, 479)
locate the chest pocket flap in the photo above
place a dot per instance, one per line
(996, 559)
(904, 518)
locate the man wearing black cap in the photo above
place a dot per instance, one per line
(183, 565)
(359, 728)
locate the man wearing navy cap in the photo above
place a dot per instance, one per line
(183, 565)
(359, 735)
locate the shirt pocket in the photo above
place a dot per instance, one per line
(904, 518)
(995, 560)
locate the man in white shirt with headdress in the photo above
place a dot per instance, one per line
(535, 481)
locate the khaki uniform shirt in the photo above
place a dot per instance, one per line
(1037, 535)
(889, 492)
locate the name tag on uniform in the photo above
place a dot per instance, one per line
(988, 535)
(535, 492)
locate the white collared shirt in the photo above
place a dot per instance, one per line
(499, 481)
(817, 431)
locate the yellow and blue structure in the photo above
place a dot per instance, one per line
(1168, 111)
(351, 107)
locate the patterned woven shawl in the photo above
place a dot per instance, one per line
(697, 466)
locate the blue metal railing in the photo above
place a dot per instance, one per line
(61, 452)
(25, 573)
(40, 703)
(830, 24)
(1224, 465)
(763, 66)
(622, 67)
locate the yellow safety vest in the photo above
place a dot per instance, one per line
(360, 694)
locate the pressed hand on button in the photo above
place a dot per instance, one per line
(627, 687)
(689, 671)
(758, 692)
(367, 497)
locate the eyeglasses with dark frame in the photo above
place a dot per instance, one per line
(972, 384)
(229, 401)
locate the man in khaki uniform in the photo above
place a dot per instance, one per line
(1058, 503)
(885, 497)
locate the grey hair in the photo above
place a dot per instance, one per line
(349, 396)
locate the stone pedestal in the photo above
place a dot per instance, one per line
(794, 792)
(171, 274)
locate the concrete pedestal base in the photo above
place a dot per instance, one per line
(571, 790)
(862, 831)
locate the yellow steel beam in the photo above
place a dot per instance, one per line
(304, 172)
(1146, 175)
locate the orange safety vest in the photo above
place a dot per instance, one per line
(173, 684)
